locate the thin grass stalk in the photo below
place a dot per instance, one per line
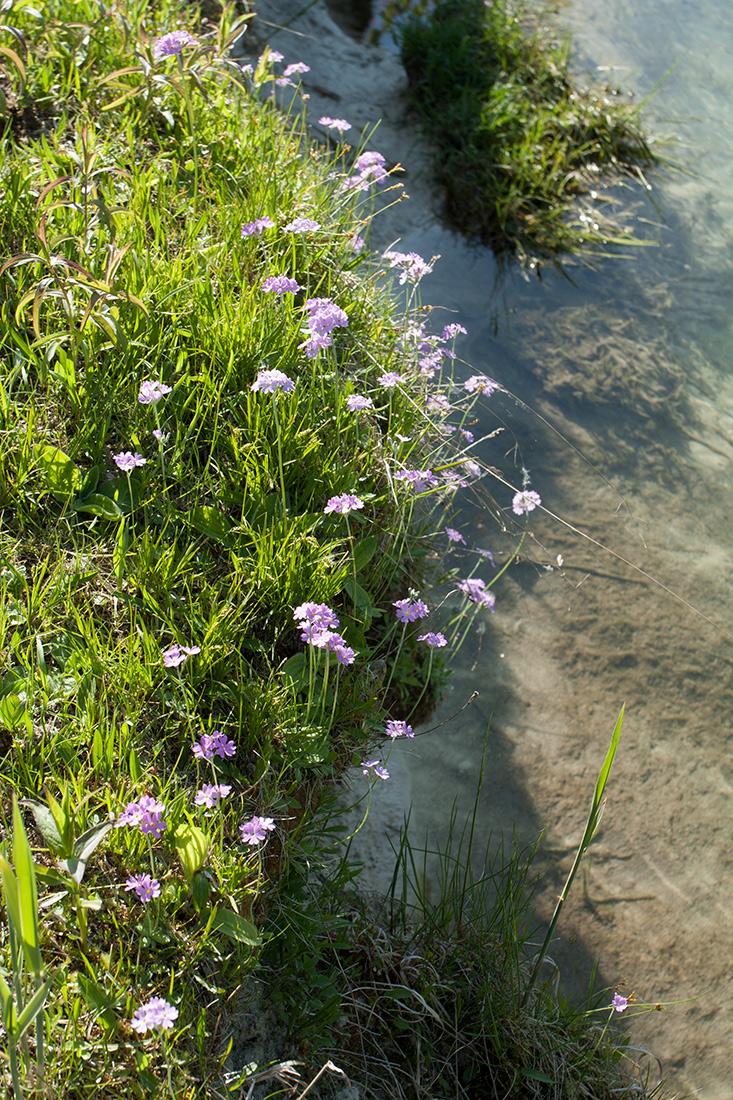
(591, 827)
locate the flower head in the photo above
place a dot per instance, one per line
(372, 768)
(339, 124)
(357, 244)
(418, 479)
(280, 284)
(255, 830)
(409, 611)
(296, 67)
(257, 227)
(344, 504)
(315, 614)
(179, 654)
(272, 381)
(144, 886)
(210, 743)
(356, 403)
(146, 814)
(155, 1013)
(127, 461)
(454, 536)
(477, 592)
(170, 44)
(398, 729)
(479, 383)
(619, 1003)
(390, 379)
(451, 331)
(526, 501)
(151, 392)
(437, 641)
(210, 794)
(411, 266)
(302, 225)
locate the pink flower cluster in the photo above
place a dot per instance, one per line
(210, 743)
(420, 480)
(210, 794)
(255, 830)
(369, 168)
(257, 227)
(318, 623)
(272, 381)
(146, 814)
(398, 729)
(280, 284)
(171, 44)
(409, 611)
(411, 266)
(144, 886)
(179, 654)
(344, 504)
(477, 592)
(323, 317)
(156, 1013)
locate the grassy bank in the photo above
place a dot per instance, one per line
(518, 139)
(226, 454)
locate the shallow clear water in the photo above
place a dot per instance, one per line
(631, 364)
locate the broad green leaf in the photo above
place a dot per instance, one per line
(97, 504)
(62, 474)
(91, 839)
(117, 489)
(90, 482)
(236, 928)
(192, 847)
(12, 711)
(364, 551)
(46, 825)
(295, 668)
(210, 522)
(27, 893)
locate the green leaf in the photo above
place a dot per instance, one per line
(210, 522)
(236, 928)
(98, 1001)
(31, 1010)
(90, 482)
(10, 892)
(364, 551)
(27, 893)
(46, 825)
(97, 504)
(192, 846)
(62, 474)
(8, 1008)
(117, 489)
(360, 598)
(12, 711)
(295, 669)
(91, 839)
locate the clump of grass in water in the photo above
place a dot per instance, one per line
(433, 991)
(518, 140)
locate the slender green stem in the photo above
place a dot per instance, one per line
(279, 453)
(192, 129)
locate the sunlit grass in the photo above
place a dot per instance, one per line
(518, 138)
